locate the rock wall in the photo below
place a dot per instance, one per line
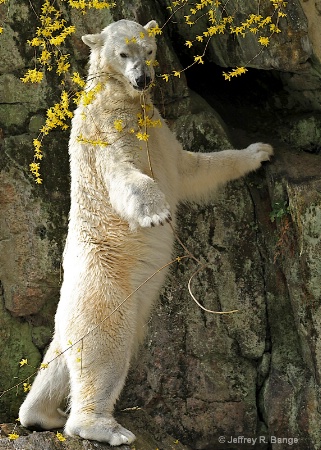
(254, 373)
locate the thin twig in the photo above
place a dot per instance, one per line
(143, 98)
(197, 302)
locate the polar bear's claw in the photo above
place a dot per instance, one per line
(155, 219)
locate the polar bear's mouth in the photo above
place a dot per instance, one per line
(142, 82)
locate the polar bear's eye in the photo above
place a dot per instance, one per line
(123, 55)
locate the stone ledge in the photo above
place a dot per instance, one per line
(149, 437)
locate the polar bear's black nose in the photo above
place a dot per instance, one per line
(143, 82)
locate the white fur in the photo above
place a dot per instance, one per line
(111, 246)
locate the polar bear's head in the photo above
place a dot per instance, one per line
(126, 51)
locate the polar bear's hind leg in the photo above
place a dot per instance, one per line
(40, 410)
(98, 371)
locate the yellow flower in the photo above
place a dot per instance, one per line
(60, 437)
(76, 78)
(38, 151)
(32, 76)
(199, 59)
(45, 57)
(238, 30)
(265, 41)
(34, 168)
(154, 31)
(255, 18)
(78, 4)
(36, 42)
(132, 40)
(165, 76)
(265, 21)
(142, 136)
(23, 362)
(240, 70)
(97, 4)
(44, 365)
(26, 387)
(278, 3)
(274, 28)
(57, 115)
(60, 38)
(118, 124)
(88, 97)
(62, 64)
(13, 436)
(234, 73)
(189, 44)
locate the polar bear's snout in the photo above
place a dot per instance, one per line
(142, 82)
(139, 76)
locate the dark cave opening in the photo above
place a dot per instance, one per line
(246, 101)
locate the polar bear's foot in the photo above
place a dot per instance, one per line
(40, 417)
(102, 430)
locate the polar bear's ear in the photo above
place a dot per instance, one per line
(151, 24)
(92, 40)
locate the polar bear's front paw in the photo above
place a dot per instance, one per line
(101, 430)
(142, 204)
(150, 210)
(261, 152)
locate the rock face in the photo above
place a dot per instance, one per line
(205, 379)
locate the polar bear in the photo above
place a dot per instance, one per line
(125, 188)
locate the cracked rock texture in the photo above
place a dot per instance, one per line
(199, 376)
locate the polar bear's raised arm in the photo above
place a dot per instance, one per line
(201, 173)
